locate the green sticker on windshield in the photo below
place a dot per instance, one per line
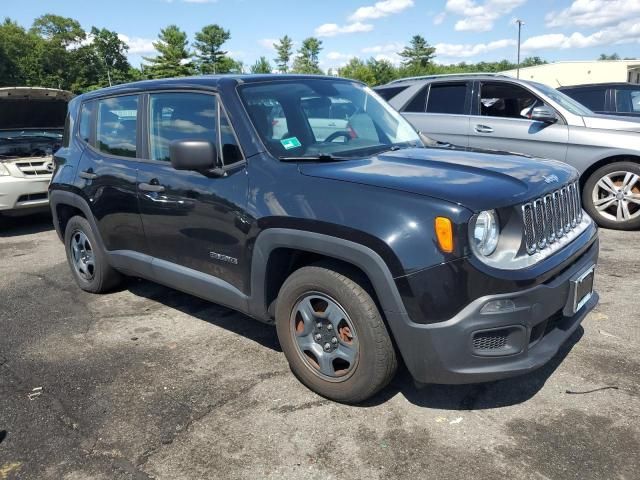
(289, 143)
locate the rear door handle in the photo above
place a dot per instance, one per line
(88, 175)
(151, 187)
(483, 129)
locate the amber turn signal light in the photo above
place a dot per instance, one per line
(444, 234)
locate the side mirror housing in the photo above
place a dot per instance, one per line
(544, 114)
(197, 155)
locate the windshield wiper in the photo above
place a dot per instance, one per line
(322, 157)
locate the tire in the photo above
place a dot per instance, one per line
(600, 202)
(337, 300)
(80, 243)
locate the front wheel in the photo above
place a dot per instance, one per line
(333, 335)
(611, 195)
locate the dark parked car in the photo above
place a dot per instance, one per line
(609, 98)
(362, 247)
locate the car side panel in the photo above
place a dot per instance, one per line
(453, 129)
(588, 145)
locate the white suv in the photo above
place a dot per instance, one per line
(31, 129)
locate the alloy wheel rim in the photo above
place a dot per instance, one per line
(616, 196)
(324, 336)
(82, 255)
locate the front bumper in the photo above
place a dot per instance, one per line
(462, 349)
(22, 193)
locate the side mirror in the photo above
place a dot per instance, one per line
(198, 155)
(544, 114)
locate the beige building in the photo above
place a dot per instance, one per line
(561, 74)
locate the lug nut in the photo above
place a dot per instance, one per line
(329, 327)
(318, 337)
(334, 340)
(327, 346)
(319, 325)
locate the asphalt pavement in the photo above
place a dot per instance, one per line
(148, 383)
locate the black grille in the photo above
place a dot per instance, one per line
(551, 217)
(494, 340)
(32, 196)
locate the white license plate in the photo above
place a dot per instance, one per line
(583, 289)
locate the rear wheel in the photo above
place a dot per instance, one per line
(88, 263)
(611, 196)
(333, 335)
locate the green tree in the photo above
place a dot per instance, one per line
(418, 55)
(19, 59)
(307, 60)
(174, 58)
(112, 54)
(208, 46)
(613, 56)
(229, 65)
(357, 70)
(383, 71)
(532, 61)
(262, 65)
(62, 30)
(284, 48)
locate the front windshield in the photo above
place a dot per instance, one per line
(564, 100)
(315, 117)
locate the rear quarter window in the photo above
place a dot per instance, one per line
(447, 98)
(592, 98)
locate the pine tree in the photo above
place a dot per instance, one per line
(284, 47)
(208, 45)
(262, 65)
(174, 58)
(307, 60)
(419, 54)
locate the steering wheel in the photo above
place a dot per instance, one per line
(338, 134)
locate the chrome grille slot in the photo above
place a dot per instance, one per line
(549, 218)
(31, 168)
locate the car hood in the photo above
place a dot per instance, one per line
(613, 122)
(32, 108)
(477, 181)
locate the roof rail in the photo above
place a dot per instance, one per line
(441, 75)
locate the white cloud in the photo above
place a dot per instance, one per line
(386, 48)
(339, 56)
(625, 32)
(452, 50)
(137, 45)
(593, 13)
(268, 43)
(480, 17)
(439, 18)
(333, 29)
(380, 9)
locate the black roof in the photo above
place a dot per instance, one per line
(601, 85)
(211, 82)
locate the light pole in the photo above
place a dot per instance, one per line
(520, 23)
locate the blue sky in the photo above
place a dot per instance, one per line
(469, 30)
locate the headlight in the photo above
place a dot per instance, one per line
(485, 233)
(3, 170)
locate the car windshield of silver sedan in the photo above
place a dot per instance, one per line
(324, 119)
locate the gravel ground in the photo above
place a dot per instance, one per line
(151, 383)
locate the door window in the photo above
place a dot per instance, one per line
(85, 121)
(628, 100)
(447, 98)
(180, 116)
(507, 101)
(589, 97)
(117, 125)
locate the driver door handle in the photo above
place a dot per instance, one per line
(483, 129)
(151, 187)
(88, 175)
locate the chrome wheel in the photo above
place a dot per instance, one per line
(325, 336)
(82, 255)
(616, 196)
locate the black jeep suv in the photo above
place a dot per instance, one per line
(308, 202)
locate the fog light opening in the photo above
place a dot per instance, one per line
(498, 306)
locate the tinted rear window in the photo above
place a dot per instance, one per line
(389, 92)
(591, 98)
(447, 98)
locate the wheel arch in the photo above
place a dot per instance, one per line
(606, 161)
(280, 251)
(65, 205)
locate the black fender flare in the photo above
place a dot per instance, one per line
(366, 259)
(61, 197)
